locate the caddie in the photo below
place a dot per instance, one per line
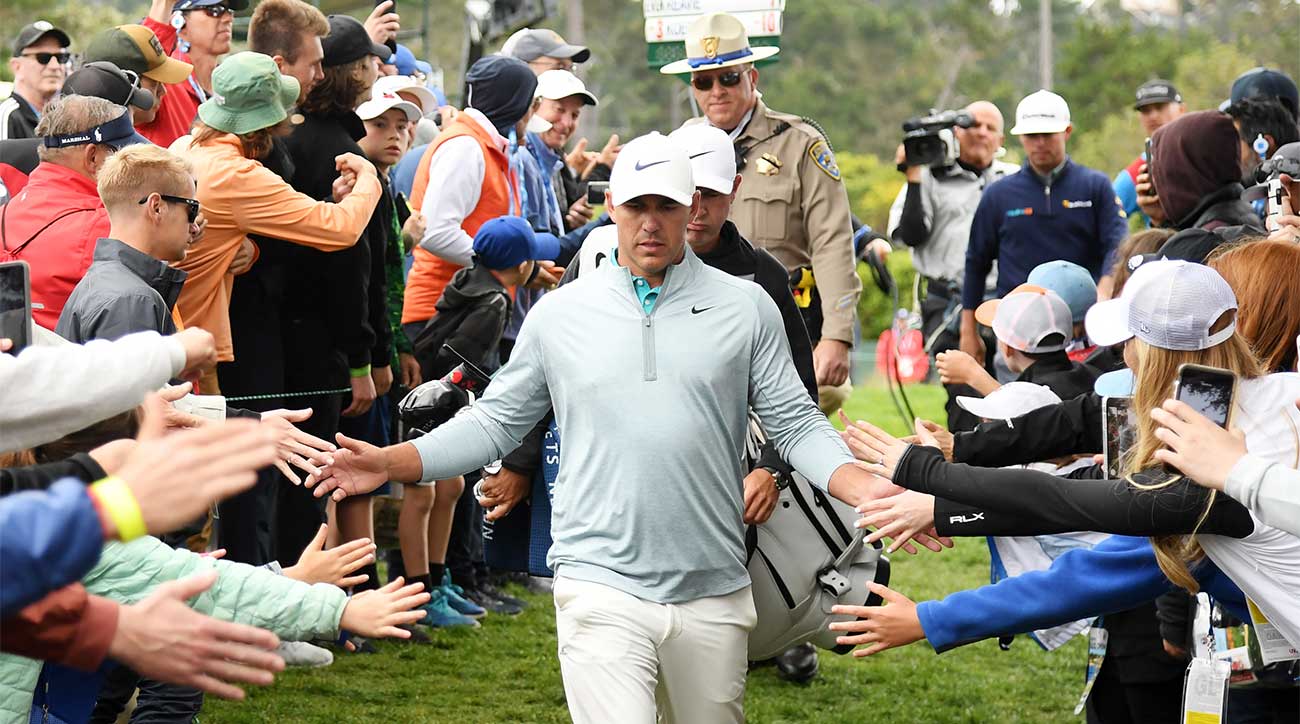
(792, 201)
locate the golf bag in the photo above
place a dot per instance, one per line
(806, 558)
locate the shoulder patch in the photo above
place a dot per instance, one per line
(821, 155)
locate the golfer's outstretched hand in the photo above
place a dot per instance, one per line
(358, 467)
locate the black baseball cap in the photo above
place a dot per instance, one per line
(32, 33)
(103, 79)
(1156, 91)
(1265, 83)
(347, 41)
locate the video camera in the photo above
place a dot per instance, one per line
(929, 140)
(437, 401)
(1285, 160)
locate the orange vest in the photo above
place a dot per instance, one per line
(430, 274)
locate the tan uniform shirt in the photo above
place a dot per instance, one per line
(793, 204)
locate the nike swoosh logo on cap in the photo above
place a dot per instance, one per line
(641, 165)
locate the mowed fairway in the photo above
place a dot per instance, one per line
(507, 672)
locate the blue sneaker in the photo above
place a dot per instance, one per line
(456, 599)
(438, 614)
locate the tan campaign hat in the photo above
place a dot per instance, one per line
(717, 40)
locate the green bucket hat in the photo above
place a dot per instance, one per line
(248, 94)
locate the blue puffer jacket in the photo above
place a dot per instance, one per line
(129, 572)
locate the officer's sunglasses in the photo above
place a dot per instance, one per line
(191, 205)
(44, 58)
(730, 79)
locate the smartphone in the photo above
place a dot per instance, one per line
(1208, 390)
(393, 9)
(1121, 432)
(16, 304)
(596, 193)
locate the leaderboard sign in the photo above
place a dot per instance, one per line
(666, 22)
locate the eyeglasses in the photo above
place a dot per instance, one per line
(191, 205)
(730, 79)
(216, 11)
(44, 58)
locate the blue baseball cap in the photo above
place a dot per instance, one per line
(508, 241)
(1119, 383)
(404, 59)
(1070, 281)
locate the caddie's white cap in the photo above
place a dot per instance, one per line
(1041, 112)
(1170, 304)
(1010, 400)
(651, 165)
(381, 101)
(713, 157)
(560, 84)
(428, 102)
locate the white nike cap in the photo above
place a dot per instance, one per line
(713, 158)
(1041, 112)
(557, 85)
(652, 165)
(1010, 400)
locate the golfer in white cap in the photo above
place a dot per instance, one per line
(651, 363)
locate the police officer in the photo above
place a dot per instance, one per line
(791, 201)
(932, 215)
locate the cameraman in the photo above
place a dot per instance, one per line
(932, 215)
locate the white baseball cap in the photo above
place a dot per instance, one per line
(1170, 304)
(1041, 112)
(713, 157)
(652, 165)
(381, 101)
(560, 84)
(1010, 400)
(1029, 318)
(406, 84)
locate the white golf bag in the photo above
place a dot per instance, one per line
(806, 558)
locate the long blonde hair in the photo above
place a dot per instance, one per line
(1155, 373)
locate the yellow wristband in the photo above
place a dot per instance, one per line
(121, 507)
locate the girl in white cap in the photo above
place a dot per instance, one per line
(1171, 313)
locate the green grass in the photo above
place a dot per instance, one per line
(507, 671)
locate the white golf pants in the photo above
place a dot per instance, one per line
(632, 661)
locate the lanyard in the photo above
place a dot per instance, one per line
(197, 90)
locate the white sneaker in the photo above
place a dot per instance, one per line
(303, 654)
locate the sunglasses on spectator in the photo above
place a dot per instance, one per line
(44, 58)
(216, 11)
(730, 79)
(191, 205)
